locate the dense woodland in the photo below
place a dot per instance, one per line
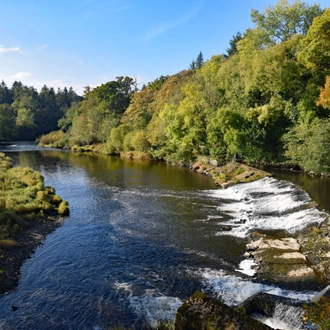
(266, 101)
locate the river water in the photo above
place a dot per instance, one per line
(141, 238)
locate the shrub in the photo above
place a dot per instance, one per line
(51, 138)
(63, 208)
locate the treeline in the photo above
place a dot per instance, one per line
(26, 114)
(266, 101)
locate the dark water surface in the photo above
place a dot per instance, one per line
(141, 238)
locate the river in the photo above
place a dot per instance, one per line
(141, 237)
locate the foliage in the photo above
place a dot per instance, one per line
(232, 49)
(282, 21)
(23, 196)
(315, 53)
(50, 138)
(324, 99)
(308, 145)
(318, 313)
(25, 113)
(265, 101)
(7, 122)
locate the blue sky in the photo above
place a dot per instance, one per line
(88, 42)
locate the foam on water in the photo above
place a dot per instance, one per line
(266, 204)
(246, 267)
(285, 318)
(155, 307)
(233, 290)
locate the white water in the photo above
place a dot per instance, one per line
(266, 204)
(135, 246)
(285, 318)
(233, 290)
(246, 267)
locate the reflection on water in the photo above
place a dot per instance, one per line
(141, 238)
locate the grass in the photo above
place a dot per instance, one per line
(23, 196)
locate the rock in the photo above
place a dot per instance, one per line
(280, 261)
(265, 304)
(227, 184)
(214, 162)
(283, 244)
(292, 255)
(202, 312)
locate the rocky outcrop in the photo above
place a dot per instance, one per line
(266, 304)
(202, 312)
(229, 174)
(281, 261)
(315, 245)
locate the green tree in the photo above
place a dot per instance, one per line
(282, 21)
(315, 53)
(5, 94)
(308, 145)
(232, 49)
(7, 122)
(199, 60)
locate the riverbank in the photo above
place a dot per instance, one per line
(230, 173)
(28, 212)
(27, 241)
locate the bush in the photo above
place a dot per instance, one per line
(63, 208)
(24, 197)
(51, 138)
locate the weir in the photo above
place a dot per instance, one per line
(138, 243)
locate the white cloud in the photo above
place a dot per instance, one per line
(21, 75)
(157, 30)
(43, 46)
(4, 50)
(123, 8)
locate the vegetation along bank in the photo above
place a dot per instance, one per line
(28, 212)
(265, 101)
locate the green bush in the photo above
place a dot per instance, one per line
(63, 208)
(24, 197)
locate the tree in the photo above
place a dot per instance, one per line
(282, 21)
(199, 60)
(48, 113)
(324, 99)
(308, 145)
(7, 122)
(316, 47)
(5, 94)
(232, 49)
(192, 65)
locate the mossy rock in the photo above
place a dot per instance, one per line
(202, 312)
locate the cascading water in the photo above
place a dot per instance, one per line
(284, 318)
(140, 239)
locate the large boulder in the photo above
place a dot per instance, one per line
(201, 312)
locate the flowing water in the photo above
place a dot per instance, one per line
(141, 238)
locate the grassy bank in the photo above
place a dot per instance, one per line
(25, 202)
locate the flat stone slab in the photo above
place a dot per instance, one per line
(281, 244)
(291, 255)
(301, 272)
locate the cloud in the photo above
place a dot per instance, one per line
(4, 50)
(160, 29)
(123, 8)
(43, 46)
(21, 75)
